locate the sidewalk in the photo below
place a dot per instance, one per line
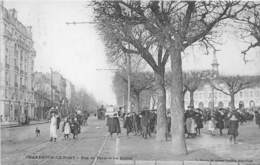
(204, 149)
(16, 124)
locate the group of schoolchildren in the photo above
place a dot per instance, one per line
(71, 125)
(219, 118)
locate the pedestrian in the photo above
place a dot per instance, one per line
(66, 129)
(234, 118)
(220, 120)
(53, 127)
(257, 118)
(114, 125)
(58, 121)
(199, 121)
(193, 127)
(75, 128)
(128, 124)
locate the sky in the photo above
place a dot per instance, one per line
(77, 51)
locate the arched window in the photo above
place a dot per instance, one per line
(251, 104)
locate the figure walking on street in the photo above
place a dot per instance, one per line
(53, 127)
(257, 118)
(114, 125)
(233, 125)
(66, 128)
(128, 124)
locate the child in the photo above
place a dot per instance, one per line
(66, 128)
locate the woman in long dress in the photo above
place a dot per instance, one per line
(53, 127)
(234, 119)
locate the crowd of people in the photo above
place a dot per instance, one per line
(213, 121)
(71, 125)
(218, 119)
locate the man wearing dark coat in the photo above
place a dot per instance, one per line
(114, 125)
(128, 124)
(220, 116)
(234, 118)
(257, 118)
(199, 120)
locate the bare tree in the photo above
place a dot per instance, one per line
(231, 85)
(249, 25)
(140, 81)
(193, 80)
(156, 30)
(125, 31)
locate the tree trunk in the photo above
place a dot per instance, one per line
(177, 107)
(161, 107)
(138, 102)
(232, 102)
(191, 98)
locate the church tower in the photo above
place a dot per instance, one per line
(215, 65)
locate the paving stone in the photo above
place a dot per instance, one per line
(169, 163)
(124, 162)
(224, 163)
(196, 163)
(145, 162)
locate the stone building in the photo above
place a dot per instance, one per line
(42, 94)
(207, 97)
(16, 67)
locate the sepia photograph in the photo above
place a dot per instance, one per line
(130, 82)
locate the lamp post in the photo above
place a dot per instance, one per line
(51, 89)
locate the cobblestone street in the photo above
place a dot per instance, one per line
(93, 146)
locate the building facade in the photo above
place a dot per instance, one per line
(42, 95)
(17, 64)
(208, 97)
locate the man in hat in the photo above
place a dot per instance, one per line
(53, 127)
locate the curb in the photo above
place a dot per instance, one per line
(154, 162)
(17, 125)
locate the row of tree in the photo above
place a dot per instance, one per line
(144, 82)
(158, 31)
(79, 99)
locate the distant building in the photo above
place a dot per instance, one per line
(207, 97)
(16, 67)
(51, 90)
(42, 94)
(203, 97)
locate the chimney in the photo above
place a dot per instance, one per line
(13, 13)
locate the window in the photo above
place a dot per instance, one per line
(246, 94)
(251, 94)
(241, 94)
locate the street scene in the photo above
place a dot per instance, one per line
(129, 82)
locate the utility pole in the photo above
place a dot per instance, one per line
(51, 89)
(129, 83)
